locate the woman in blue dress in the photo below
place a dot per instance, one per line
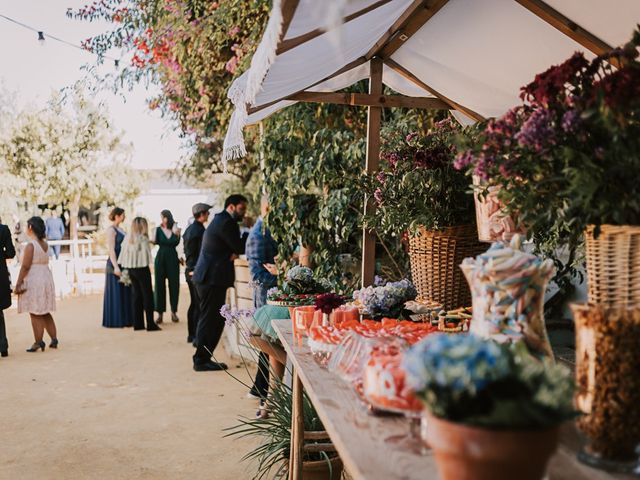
(118, 307)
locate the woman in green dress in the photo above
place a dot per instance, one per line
(167, 266)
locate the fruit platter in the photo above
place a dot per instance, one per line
(299, 288)
(291, 299)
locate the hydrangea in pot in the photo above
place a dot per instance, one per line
(493, 411)
(418, 190)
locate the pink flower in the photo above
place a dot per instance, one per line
(231, 65)
(234, 31)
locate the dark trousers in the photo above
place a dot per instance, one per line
(193, 314)
(141, 296)
(261, 383)
(211, 323)
(167, 269)
(4, 343)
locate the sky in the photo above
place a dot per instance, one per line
(33, 71)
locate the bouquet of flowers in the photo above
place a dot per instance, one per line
(300, 287)
(385, 301)
(417, 184)
(464, 378)
(569, 156)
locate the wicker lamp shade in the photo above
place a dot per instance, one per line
(435, 263)
(613, 265)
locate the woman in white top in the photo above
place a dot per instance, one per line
(135, 257)
(35, 288)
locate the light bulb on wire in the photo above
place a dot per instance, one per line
(41, 38)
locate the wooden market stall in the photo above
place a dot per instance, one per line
(465, 55)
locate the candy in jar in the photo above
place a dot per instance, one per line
(507, 288)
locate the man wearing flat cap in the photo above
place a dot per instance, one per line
(192, 239)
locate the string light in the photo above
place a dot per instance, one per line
(42, 38)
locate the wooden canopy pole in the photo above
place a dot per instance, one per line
(374, 120)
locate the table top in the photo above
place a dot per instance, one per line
(361, 439)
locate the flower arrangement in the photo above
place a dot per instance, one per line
(569, 156)
(300, 287)
(466, 379)
(385, 301)
(417, 184)
(328, 302)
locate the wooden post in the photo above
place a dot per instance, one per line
(374, 119)
(297, 430)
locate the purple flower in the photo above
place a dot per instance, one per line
(537, 131)
(393, 159)
(412, 136)
(570, 121)
(378, 196)
(463, 160)
(381, 177)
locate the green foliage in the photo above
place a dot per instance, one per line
(272, 455)
(66, 154)
(417, 184)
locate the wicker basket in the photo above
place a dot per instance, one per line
(435, 264)
(613, 266)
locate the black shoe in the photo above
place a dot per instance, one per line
(54, 343)
(190, 339)
(4, 354)
(36, 346)
(138, 328)
(153, 328)
(209, 367)
(174, 317)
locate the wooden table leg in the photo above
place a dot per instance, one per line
(297, 430)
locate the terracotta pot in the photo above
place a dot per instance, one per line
(470, 453)
(319, 469)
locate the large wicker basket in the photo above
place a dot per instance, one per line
(435, 264)
(613, 266)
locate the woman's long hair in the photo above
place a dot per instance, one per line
(37, 227)
(139, 227)
(169, 216)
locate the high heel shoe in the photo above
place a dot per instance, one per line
(36, 346)
(159, 319)
(174, 317)
(54, 343)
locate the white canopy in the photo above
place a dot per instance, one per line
(472, 54)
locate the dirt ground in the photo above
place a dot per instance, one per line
(116, 404)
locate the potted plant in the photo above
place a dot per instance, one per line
(493, 410)
(418, 190)
(567, 162)
(274, 431)
(378, 302)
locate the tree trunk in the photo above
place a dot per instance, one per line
(74, 211)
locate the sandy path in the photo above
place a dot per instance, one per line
(115, 404)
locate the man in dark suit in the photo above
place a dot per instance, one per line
(213, 275)
(192, 241)
(6, 252)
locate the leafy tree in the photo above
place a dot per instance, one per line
(66, 154)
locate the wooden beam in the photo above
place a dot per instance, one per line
(365, 99)
(290, 43)
(288, 11)
(356, 63)
(411, 77)
(374, 121)
(412, 20)
(567, 26)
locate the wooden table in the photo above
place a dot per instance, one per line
(360, 437)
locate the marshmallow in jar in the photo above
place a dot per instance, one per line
(507, 287)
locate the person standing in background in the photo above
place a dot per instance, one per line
(261, 251)
(213, 275)
(135, 257)
(35, 288)
(55, 231)
(117, 309)
(192, 242)
(167, 266)
(7, 251)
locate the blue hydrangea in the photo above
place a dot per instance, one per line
(459, 363)
(387, 300)
(301, 274)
